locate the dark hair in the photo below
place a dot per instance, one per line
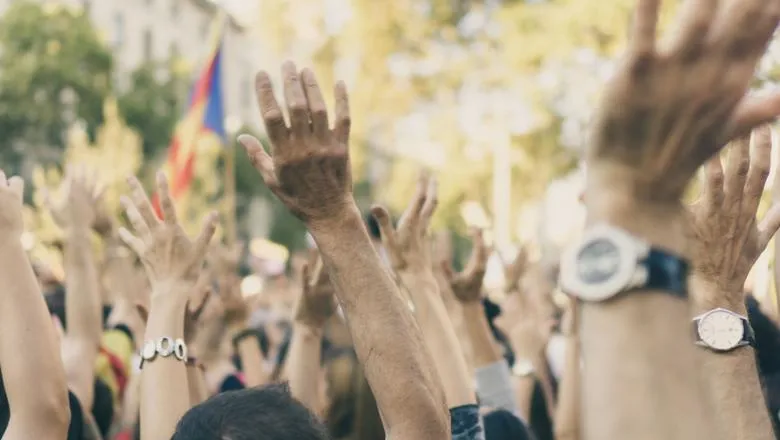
(493, 311)
(501, 424)
(264, 413)
(103, 407)
(767, 338)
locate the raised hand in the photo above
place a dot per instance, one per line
(670, 108)
(197, 304)
(308, 169)
(727, 238)
(406, 244)
(235, 306)
(317, 302)
(467, 285)
(225, 260)
(173, 261)
(514, 270)
(11, 191)
(79, 199)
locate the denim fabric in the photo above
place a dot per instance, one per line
(466, 423)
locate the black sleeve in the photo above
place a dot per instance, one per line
(76, 427)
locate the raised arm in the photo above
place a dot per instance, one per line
(309, 172)
(316, 304)
(727, 242)
(75, 214)
(173, 263)
(33, 375)
(668, 109)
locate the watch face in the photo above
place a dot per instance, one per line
(598, 261)
(721, 330)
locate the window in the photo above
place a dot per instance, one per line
(175, 9)
(148, 48)
(119, 30)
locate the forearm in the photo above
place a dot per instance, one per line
(440, 338)
(303, 366)
(567, 416)
(252, 362)
(524, 391)
(83, 303)
(164, 388)
(34, 377)
(493, 377)
(732, 377)
(374, 310)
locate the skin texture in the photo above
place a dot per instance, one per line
(309, 172)
(410, 255)
(75, 214)
(727, 241)
(173, 264)
(667, 110)
(34, 382)
(315, 306)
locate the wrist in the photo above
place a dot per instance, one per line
(623, 204)
(347, 218)
(708, 294)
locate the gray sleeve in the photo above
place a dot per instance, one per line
(494, 387)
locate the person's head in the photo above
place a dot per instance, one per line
(265, 413)
(503, 425)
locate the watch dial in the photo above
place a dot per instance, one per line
(598, 261)
(721, 330)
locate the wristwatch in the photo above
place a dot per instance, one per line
(163, 347)
(609, 261)
(723, 330)
(523, 368)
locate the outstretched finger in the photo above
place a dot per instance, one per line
(737, 167)
(753, 111)
(768, 226)
(141, 201)
(693, 25)
(318, 111)
(305, 276)
(343, 120)
(131, 241)
(206, 233)
(760, 164)
(644, 29)
(135, 217)
(270, 111)
(166, 202)
(713, 178)
(262, 162)
(412, 214)
(386, 229)
(296, 100)
(318, 271)
(431, 202)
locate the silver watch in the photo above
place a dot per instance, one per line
(722, 330)
(163, 347)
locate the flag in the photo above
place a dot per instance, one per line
(203, 121)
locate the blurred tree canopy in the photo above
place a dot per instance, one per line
(53, 70)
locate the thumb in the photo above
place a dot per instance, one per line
(386, 229)
(258, 157)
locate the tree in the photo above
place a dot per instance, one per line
(153, 104)
(53, 70)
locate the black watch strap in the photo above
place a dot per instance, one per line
(666, 272)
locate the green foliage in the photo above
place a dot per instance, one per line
(44, 52)
(153, 104)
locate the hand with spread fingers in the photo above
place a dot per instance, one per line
(195, 307)
(407, 244)
(670, 108)
(172, 260)
(727, 238)
(467, 285)
(11, 193)
(79, 198)
(225, 259)
(317, 302)
(308, 169)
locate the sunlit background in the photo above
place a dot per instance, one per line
(492, 96)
